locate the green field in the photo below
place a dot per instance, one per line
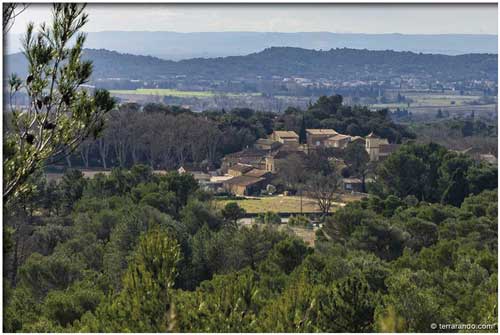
(177, 93)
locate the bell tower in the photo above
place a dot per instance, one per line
(372, 146)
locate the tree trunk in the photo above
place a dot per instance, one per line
(103, 148)
(68, 160)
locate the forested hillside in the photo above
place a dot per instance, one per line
(340, 64)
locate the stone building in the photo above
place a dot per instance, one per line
(285, 136)
(245, 185)
(317, 137)
(379, 148)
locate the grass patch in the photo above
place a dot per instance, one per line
(274, 204)
(282, 204)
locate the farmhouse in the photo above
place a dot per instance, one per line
(252, 169)
(358, 139)
(258, 173)
(249, 156)
(352, 185)
(244, 185)
(479, 155)
(266, 144)
(337, 141)
(386, 149)
(274, 159)
(239, 169)
(285, 136)
(378, 148)
(197, 175)
(316, 137)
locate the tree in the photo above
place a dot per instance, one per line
(10, 12)
(71, 188)
(302, 132)
(144, 304)
(60, 114)
(323, 189)
(42, 274)
(453, 179)
(358, 161)
(288, 254)
(293, 173)
(196, 214)
(378, 237)
(64, 307)
(347, 306)
(232, 212)
(227, 303)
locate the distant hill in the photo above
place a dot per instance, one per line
(338, 64)
(175, 46)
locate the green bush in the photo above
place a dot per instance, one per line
(299, 221)
(268, 218)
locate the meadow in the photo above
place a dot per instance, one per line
(282, 204)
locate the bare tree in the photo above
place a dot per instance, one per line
(119, 135)
(103, 145)
(213, 137)
(323, 189)
(84, 150)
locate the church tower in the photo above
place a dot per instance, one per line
(372, 146)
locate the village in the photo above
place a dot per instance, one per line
(252, 171)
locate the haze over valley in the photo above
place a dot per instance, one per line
(178, 45)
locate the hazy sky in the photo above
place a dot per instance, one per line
(382, 18)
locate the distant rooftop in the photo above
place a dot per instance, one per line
(257, 173)
(241, 167)
(286, 134)
(338, 137)
(321, 132)
(243, 180)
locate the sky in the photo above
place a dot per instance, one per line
(338, 18)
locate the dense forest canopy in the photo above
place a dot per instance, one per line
(339, 64)
(140, 252)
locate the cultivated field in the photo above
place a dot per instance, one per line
(176, 93)
(431, 103)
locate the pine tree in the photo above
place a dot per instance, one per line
(302, 132)
(144, 303)
(60, 114)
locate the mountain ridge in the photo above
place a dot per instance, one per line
(339, 63)
(185, 45)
